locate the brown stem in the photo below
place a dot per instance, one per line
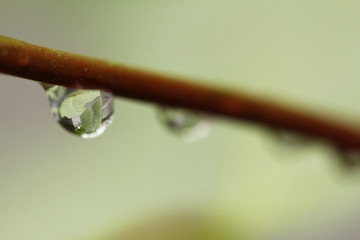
(56, 67)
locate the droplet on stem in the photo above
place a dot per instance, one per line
(285, 141)
(349, 157)
(289, 138)
(189, 125)
(86, 113)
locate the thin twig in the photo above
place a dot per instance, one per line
(56, 67)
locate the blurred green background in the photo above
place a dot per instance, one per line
(238, 183)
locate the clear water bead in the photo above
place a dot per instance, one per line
(286, 142)
(289, 138)
(189, 125)
(86, 113)
(349, 157)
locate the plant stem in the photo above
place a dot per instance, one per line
(56, 67)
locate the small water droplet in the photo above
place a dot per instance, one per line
(285, 141)
(290, 139)
(86, 113)
(349, 157)
(189, 125)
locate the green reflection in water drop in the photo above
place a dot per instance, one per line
(86, 113)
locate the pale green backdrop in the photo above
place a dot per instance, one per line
(304, 53)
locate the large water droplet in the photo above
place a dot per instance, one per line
(86, 113)
(189, 125)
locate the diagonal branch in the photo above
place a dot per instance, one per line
(56, 67)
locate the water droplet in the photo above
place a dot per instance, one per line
(189, 125)
(286, 142)
(290, 139)
(349, 157)
(86, 113)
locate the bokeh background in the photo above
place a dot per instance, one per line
(138, 181)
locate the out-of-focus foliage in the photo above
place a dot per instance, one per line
(56, 186)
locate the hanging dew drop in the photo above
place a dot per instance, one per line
(349, 157)
(285, 142)
(189, 125)
(86, 113)
(290, 139)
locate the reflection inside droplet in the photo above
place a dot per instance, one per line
(86, 113)
(189, 125)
